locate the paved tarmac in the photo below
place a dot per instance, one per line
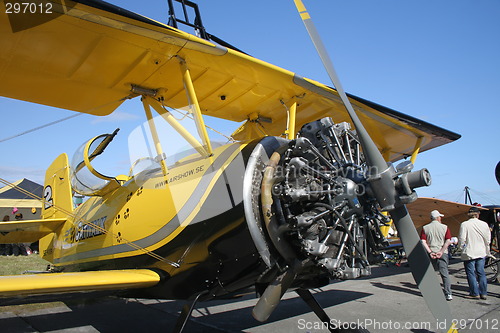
(388, 301)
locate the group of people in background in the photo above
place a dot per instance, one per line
(474, 241)
(23, 249)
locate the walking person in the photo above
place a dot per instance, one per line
(474, 239)
(436, 238)
(23, 248)
(6, 248)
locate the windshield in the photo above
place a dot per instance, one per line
(85, 179)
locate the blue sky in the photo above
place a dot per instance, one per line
(433, 60)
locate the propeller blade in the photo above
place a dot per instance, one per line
(272, 295)
(372, 153)
(384, 191)
(382, 180)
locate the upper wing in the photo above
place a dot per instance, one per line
(51, 283)
(87, 59)
(454, 213)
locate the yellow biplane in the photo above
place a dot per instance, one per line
(293, 200)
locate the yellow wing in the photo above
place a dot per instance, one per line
(51, 283)
(88, 58)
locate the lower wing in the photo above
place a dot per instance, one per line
(56, 283)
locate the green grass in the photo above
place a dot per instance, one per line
(14, 265)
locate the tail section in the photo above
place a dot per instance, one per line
(57, 200)
(57, 194)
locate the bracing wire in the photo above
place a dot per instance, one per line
(40, 127)
(184, 115)
(484, 196)
(64, 119)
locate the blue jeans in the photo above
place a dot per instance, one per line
(476, 276)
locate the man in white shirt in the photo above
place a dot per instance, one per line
(436, 238)
(474, 239)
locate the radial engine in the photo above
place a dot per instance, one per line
(315, 211)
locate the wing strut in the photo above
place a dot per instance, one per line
(170, 119)
(193, 100)
(416, 150)
(154, 133)
(292, 114)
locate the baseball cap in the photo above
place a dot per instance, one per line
(474, 210)
(436, 213)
